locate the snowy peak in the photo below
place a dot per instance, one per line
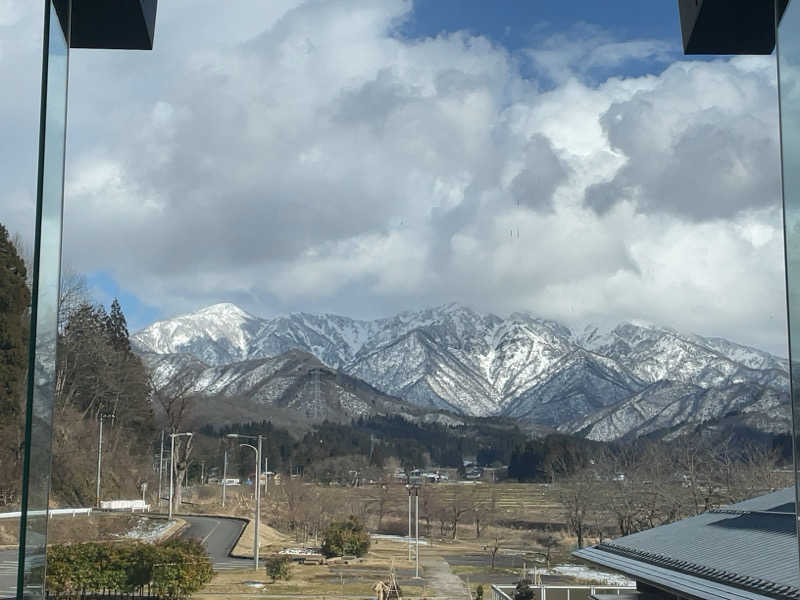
(216, 334)
(453, 357)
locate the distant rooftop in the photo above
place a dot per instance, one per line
(746, 551)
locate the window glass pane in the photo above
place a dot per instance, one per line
(47, 260)
(789, 89)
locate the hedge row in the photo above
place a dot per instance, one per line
(172, 569)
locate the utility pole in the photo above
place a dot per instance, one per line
(171, 470)
(224, 475)
(416, 497)
(408, 487)
(160, 467)
(258, 502)
(202, 471)
(99, 461)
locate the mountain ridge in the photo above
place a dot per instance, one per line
(479, 364)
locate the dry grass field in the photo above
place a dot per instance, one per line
(355, 578)
(517, 513)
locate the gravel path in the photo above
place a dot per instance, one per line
(440, 581)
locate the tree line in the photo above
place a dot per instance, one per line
(331, 452)
(643, 485)
(97, 376)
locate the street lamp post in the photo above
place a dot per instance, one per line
(172, 437)
(160, 467)
(416, 528)
(413, 489)
(409, 487)
(224, 475)
(258, 486)
(99, 461)
(100, 457)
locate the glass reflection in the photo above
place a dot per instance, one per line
(44, 308)
(789, 93)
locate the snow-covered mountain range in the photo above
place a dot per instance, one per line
(627, 381)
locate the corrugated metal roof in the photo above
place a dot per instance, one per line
(781, 499)
(750, 545)
(688, 585)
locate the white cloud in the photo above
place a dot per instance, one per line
(312, 160)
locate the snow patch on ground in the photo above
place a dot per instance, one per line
(585, 573)
(397, 538)
(147, 530)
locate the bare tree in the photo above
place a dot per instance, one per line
(458, 507)
(426, 506)
(578, 494)
(73, 293)
(175, 401)
(483, 508)
(379, 501)
(548, 542)
(493, 547)
(298, 497)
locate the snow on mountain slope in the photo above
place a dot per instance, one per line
(424, 372)
(654, 354)
(293, 384)
(667, 404)
(580, 383)
(218, 334)
(452, 357)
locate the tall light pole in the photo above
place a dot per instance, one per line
(172, 437)
(258, 486)
(409, 487)
(160, 467)
(224, 474)
(416, 526)
(100, 457)
(99, 461)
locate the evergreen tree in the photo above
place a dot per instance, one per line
(118, 328)
(14, 302)
(14, 327)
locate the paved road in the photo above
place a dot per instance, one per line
(219, 535)
(8, 573)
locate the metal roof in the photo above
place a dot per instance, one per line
(685, 585)
(749, 546)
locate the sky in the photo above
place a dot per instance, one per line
(364, 158)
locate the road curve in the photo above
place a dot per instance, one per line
(219, 535)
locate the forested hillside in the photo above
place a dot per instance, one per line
(14, 323)
(97, 376)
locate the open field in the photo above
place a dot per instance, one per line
(518, 513)
(355, 578)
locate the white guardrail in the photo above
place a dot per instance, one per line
(131, 505)
(540, 591)
(52, 512)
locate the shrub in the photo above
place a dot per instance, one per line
(278, 567)
(345, 537)
(479, 592)
(523, 591)
(174, 569)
